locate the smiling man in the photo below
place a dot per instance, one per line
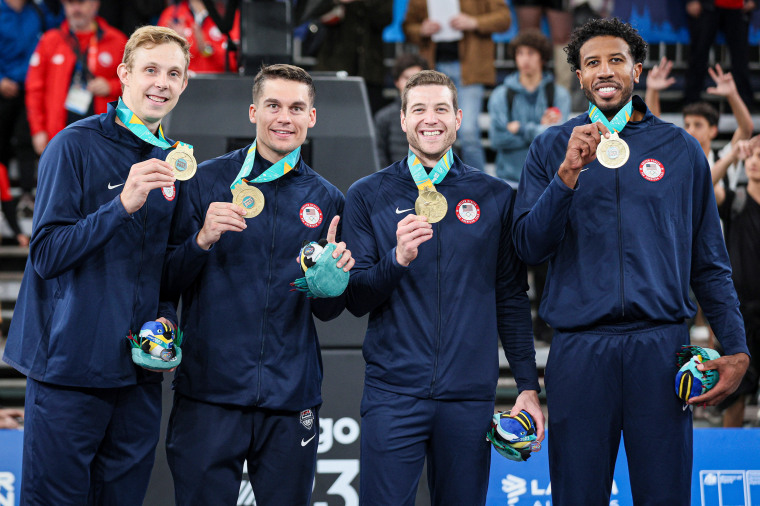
(249, 384)
(101, 225)
(621, 205)
(438, 275)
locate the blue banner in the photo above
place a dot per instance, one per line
(11, 446)
(726, 473)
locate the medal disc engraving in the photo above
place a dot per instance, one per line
(432, 205)
(183, 163)
(249, 198)
(612, 152)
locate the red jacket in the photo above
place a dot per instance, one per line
(52, 66)
(201, 61)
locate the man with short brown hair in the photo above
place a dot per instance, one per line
(105, 200)
(439, 277)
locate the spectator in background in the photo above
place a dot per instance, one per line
(21, 24)
(208, 45)
(469, 61)
(129, 16)
(560, 20)
(354, 43)
(9, 418)
(740, 211)
(705, 18)
(701, 118)
(527, 103)
(72, 73)
(390, 138)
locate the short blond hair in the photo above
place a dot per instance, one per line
(150, 37)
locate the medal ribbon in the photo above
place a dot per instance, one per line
(137, 127)
(420, 175)
(276, 171)
(618, 122)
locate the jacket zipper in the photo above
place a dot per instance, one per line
(266, 300)
(438, 311)
(620, 242)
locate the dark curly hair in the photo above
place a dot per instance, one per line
(599, 28)
(532, 38)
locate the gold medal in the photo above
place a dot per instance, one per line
(612, 152)
(249, 198)
(183, 163)
(432, 205)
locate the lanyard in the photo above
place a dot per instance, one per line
(137, 127)
(421, 177)
(618, 122)
(277, 170)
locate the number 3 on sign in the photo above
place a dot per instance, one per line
(347, 470)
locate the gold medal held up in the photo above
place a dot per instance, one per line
(612, 152)
(432, 205)
(183, 162)
(249, 198)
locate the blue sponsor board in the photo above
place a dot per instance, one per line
(726, 473)
(11, 445)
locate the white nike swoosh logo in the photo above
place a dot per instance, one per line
(304, 443)
(685, 407)
(112, 186)
(399, 211)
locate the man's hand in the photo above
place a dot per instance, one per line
(581, 150)
(221, 217)
(724, 82)
(340, 250)
(99, 87)
(551, 116)
(464, 22)
(9, 418)
(8, 87)
(513, 127)
(731, 369)
(658, 78)
(412, 231)
(528, 401)
(429, 27)
(39, 141)
(144, 177)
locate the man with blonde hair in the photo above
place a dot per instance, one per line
(104, 204)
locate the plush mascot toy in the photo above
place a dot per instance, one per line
(322, 276)
(690, 381)
(156, 347)
(513, 437)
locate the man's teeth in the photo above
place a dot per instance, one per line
(606, 90)
(157, 99)
(428, 134)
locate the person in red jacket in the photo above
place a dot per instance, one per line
(208, 45)
(72, 73)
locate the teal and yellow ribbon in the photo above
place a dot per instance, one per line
(618, 122)
(422, 179)
(137, 127)
(277, 170)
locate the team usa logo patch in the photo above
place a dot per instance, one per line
(169, 192)
(651, 169)
(311, 215)
(468, 211)
(307, 419)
